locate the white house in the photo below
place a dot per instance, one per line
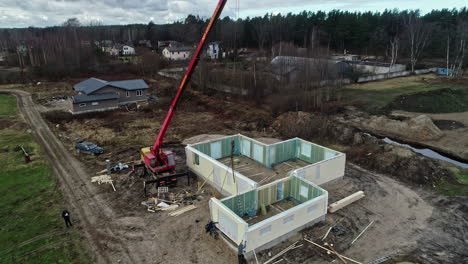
(177, 53)
(213, 51)
(128, 50)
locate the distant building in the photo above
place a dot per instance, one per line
(299, 68)
(177, 53)
(168, 44)
(127, 50)
(213, 50)
(369, 67)
(96, 95)
(119, 49)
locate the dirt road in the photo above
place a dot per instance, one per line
(95, 218)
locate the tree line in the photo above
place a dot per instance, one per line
(397, 35)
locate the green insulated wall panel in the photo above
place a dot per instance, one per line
(242, 204)
(310, 152)
(281, 152)
(302, 191)
(267, 195)
(219, 148)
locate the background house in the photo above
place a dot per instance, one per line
(168, 43)
(127, 50)
(177, 53)
(213, 50)
(96, 95)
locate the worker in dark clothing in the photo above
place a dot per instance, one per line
(240, 253)
(66, 217)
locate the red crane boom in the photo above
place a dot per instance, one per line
(157, 160)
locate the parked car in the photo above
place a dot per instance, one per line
(88, 148)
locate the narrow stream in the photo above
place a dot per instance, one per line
(428, 153)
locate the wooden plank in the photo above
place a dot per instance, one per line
(281, 252)
(317, 245)
(255, 255)
(326, 234)
(182, 210)
(336, 253)
(352, 242)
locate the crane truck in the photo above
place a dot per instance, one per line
(156, 160)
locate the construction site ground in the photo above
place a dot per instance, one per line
(409, 221)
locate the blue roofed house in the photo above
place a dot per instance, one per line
(95, 95)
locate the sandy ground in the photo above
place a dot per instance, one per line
(407, 221)
(118, 229)
(454, 141)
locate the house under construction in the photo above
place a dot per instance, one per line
(273, 190)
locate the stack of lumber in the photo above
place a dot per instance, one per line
(103, 179)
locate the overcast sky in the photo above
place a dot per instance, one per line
(41, 13)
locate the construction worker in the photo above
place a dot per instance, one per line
(240, 253)
(66, 217)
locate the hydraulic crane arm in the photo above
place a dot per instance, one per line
(159, 140)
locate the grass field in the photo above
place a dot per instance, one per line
(31, 230)
(457, 186)
(414, 94)
(7, 105)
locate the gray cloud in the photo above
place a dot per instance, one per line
(40, 13)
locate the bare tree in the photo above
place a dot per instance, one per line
(418, 35)
(394, 46)
(460, 45)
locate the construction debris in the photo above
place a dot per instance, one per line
(336, 253)
(119, 167)
(360, 234)
(327, 250)
(163, 204)
(292, 246)
(103, 179)
(326, 234)
(345, 201)
(183, 210)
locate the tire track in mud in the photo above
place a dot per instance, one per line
(95, 217)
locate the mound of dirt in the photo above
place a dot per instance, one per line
(367, 150)
(419, 128)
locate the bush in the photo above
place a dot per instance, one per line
(58, 117)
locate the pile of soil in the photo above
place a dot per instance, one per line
(365, 149)
(418, 128)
